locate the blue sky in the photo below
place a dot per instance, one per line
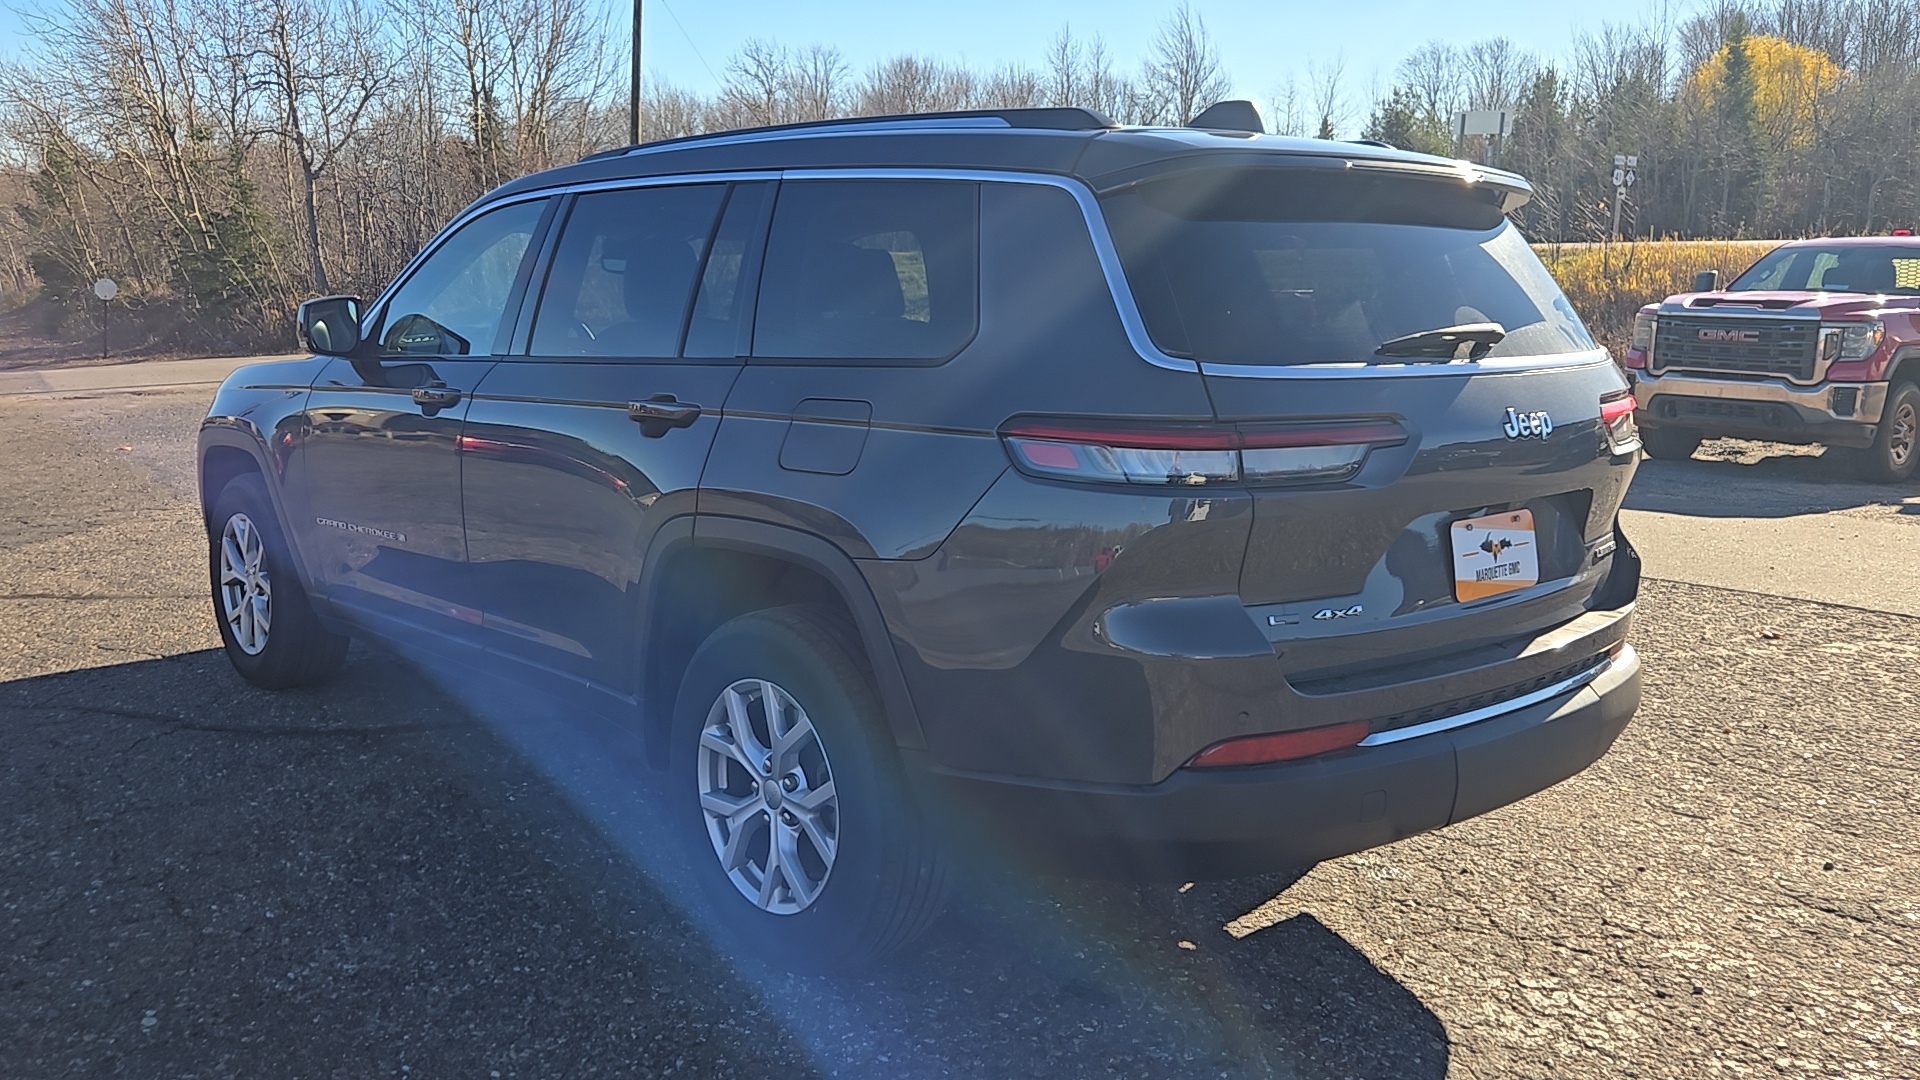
(688, 41)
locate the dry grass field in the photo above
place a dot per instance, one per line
(1607, 283)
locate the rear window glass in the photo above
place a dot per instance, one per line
(1288, 266)
(860, 269)
(1854, 268)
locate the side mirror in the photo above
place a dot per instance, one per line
(1706, 281)
(330, 325)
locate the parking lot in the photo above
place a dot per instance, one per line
(395, 876)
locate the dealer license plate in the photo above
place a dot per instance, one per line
(1494, 554)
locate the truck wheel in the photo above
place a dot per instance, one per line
(1669, 443)
(272, 636)
(799, 829)
(1896, 446)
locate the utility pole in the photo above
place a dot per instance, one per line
(633, 89)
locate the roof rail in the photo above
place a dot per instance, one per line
(1069, 118)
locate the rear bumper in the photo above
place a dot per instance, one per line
(1203, 824)
(1839, 414)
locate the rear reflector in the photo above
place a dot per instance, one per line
(1119, 452)
(1285, 746)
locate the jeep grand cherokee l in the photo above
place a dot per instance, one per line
(1180, 502)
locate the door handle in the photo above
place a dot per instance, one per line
(436, 395)
(662, 413)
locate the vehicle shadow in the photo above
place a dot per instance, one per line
(1730, 478)
(408, 867)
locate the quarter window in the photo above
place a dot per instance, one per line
(453, 302)
(870, 269)
(624, 272)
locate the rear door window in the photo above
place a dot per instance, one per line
(870, 270)
(1298, 266)
(624, 271)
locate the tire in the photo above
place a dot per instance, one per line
(1896, 444)
(292, 648)
(1670, 443)
(880, 879)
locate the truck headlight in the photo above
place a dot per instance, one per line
(1644, 325)
(1850, 341)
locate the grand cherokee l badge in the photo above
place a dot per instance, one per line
(1528, 425)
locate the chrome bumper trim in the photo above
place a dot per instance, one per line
(1813, 402)
(1488, 712)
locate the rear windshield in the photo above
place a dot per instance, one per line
(1838, 268)
(1299, 266)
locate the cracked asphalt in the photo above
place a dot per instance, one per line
(395, 876)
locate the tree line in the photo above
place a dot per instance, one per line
(222, 159)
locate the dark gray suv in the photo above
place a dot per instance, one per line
(1175, 502)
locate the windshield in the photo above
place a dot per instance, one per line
(1848, 268)
(1299, 266)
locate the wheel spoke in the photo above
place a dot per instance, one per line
(232, 562)
(802, 890)
(724, 745)
(816, 834)
(742, 728)
(813, 799)
(734, 855)
(787, 744)
(776, 870)
(733, 809)
(262, 620)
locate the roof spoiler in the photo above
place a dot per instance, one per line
(1238, 115)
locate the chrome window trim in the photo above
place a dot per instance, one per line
(1474, 716)
(483, 205)
(1104, 250)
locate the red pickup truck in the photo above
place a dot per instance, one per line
(1818, 342)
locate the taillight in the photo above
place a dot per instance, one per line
(1119, 452)
(1616, 415)
(1285, 746)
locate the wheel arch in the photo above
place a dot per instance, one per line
(1905, 366)
(702, 571)
(220, 464)
(232, 447)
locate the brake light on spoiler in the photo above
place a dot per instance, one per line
(1194, 454)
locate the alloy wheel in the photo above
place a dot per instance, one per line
(1900, 441)
(246, 591)
(767, 797)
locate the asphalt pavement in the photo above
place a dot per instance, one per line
(401, 875)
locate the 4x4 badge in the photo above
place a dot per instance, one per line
(1528, 425)
(1339, 613)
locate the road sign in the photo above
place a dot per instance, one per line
(1485, 122)
(105, 289)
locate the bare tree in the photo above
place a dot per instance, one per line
(1183, 74)
(315, 60)
(1328, 96)
(909, 84)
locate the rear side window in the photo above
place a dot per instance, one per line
(1297, 266)
(624, 271)
(870, 270)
